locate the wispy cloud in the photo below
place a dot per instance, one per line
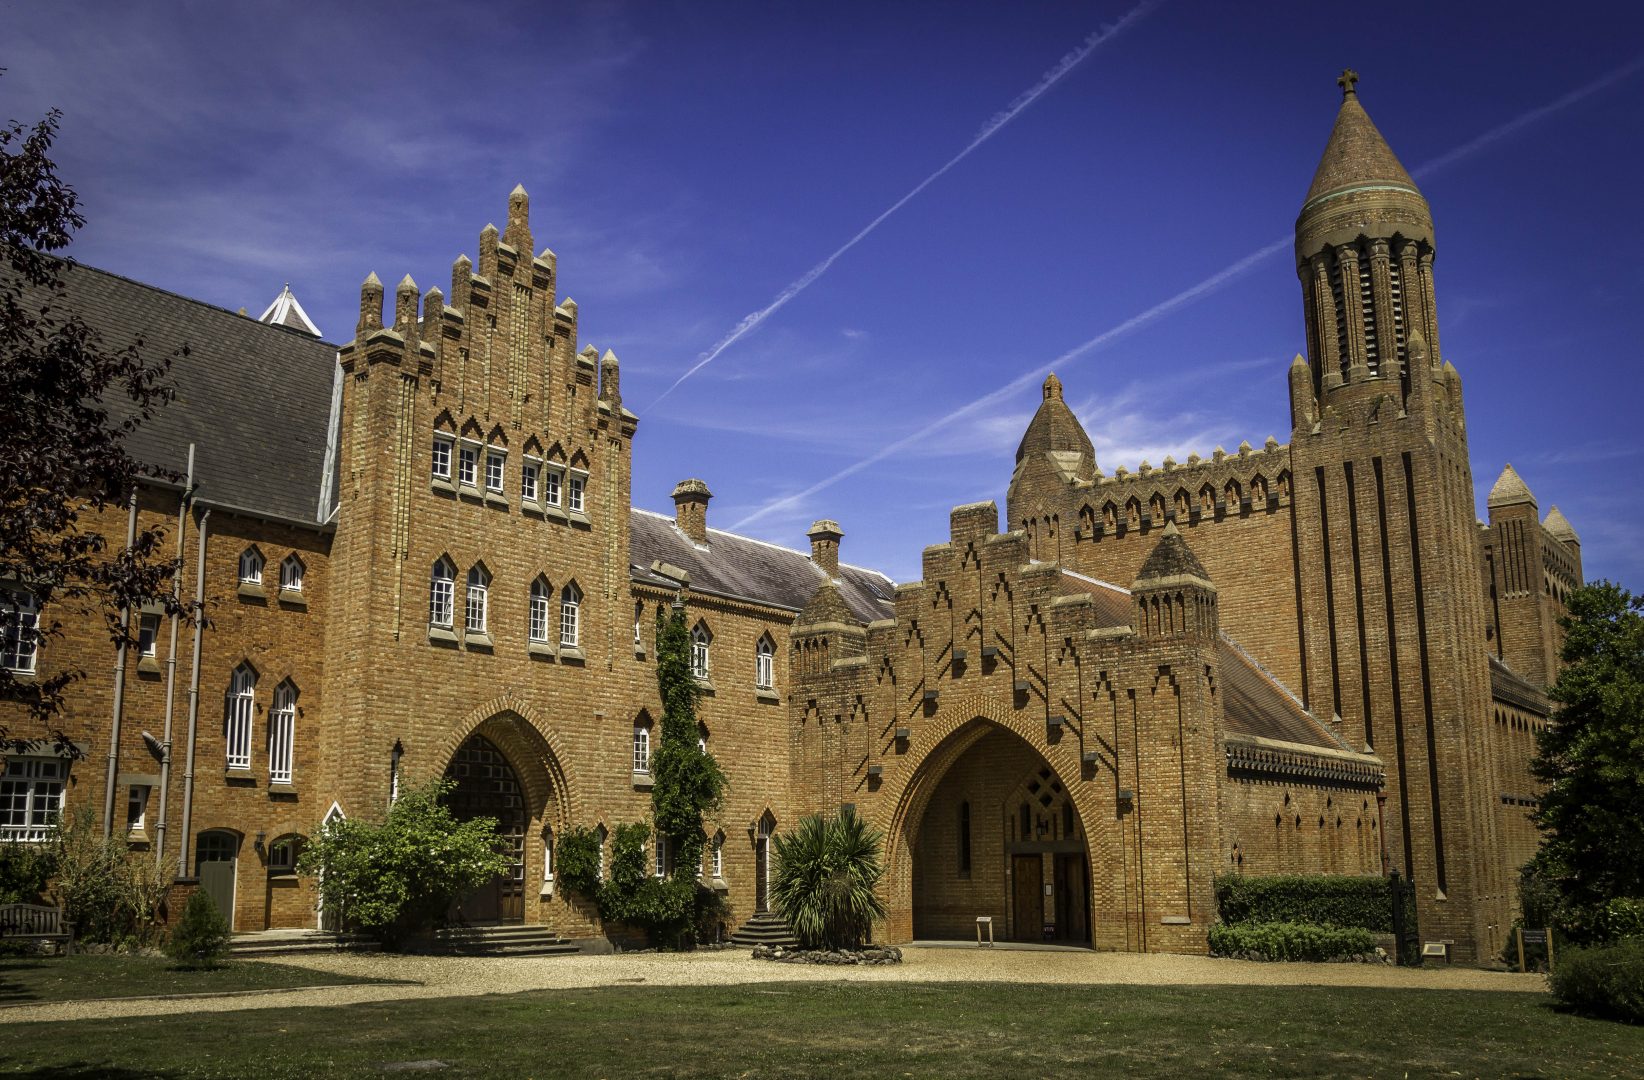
(994, 124)
(1221, 278)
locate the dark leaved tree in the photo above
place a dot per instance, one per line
(69, 403)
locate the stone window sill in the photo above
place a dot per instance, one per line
(496, 498)
(476, 640)
(766, 693)
(718, 884)
(547, 890)
(703, 683)
(21, 676)
(443, 485)
(644, 781)
(579, 518)
(283, 791)
(555, 512)
(528, 507)
(469, 491)
(239, 778)
(442, 634)
(148, 665)
(639, 652)
(293, 598)
(282, 877)
(250, 590)
(571, 654)
(539, 649)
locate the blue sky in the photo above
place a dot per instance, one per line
(691, 162)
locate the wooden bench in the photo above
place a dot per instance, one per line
(34, 922)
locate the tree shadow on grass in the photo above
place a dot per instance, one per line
(77, 1070)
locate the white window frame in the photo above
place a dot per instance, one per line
(530, 480)
(281, 865)
(31, 798)
(718, 845)
(251, 566)
(476, 605)
(603, 835)
(291, 573)
(553, 484)
(765, 664)
(242, 707)
(468, 463)
(20, 632)
(137, 808)
(282, 733)
(148, 633)
(701, 643)
(570, 615)
(537, 608)
(442, 594)
(547, 854)
(439, 462)
(661, 856)
(496, 469)
(642, 748)
(576, 489)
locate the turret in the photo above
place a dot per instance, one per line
(1172, 595)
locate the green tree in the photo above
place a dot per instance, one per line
(70, 403)
(688, 782)
(825, 878)
(394, 878)
(201, 936)
(1591, 759)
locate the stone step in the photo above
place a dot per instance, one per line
(765, 928)
(289, 943)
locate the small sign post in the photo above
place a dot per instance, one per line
(981, 921)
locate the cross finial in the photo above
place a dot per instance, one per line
(1346, 80)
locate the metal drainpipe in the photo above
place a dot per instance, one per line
(184, 858)
(171, 664)
(119, 684)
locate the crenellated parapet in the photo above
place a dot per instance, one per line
(1201, 490)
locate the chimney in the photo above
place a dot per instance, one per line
(825, 536)
(691, 509)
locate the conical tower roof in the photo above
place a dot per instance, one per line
(1556, 523)
(1171, 558)
(1360, 184)
(1510, 490)
(1054, 429)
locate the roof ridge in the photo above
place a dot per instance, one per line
(247, 319)
(1095, 581)
(765, 543)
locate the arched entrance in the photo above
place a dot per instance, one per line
(486, 786)
(1000, 836)
(216, 862)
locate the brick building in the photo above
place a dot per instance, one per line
(420, 557)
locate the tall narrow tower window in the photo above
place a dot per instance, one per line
(1367, 316)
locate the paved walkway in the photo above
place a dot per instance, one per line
(449, 976)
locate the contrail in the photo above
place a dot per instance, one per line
(1187, 296)
(989, 129)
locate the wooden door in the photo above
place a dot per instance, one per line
(1072, 898)
(761, 868)
(1026, 875)
(216, 856)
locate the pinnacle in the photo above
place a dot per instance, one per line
(372, 279)
(1299, 362)
(1510, 490)
(1556, 523)
(406, 284)
(1053, 387)
(490, 227)
(518, 192)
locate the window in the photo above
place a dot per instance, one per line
(474, 608)
(719, 855)
(19, 629)
(441, 594)
(528, 475)
(603, 835)
(639, 613)
(148, 634)
(537, 621)
(282, 856)
(282, 726)
(1026, 822)
(31, 796)
(570, 602)
(661, 855)
(964, 838)
(441, 463)
(493, 470)
(765, 664)
(550, 486)
(242, 691)
(136, 808)
(291, 574)
(701, 738)
(251, 567)
(547, 854)
(574, 485)
(642, 748)
(700, 640)
(468, 464)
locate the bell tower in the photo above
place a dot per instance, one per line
(1387, 549)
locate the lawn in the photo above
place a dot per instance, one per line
(68, 978)
(950, 1031)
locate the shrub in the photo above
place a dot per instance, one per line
(400, 876)
(24, 871)
(1605, 981)
(201, 936)
(109, 894)
(1289, 941)
(823, 885)
(576, 861)
(1320, 899)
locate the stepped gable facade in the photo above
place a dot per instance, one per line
(420, 557)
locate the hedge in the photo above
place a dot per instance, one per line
(1607, 981)
(1289, 941)
(1322, 900)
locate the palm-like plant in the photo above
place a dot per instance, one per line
(825, 875)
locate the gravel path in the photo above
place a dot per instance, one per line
(442, 976)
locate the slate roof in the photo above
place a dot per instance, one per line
(1255, 703)
(255, 399)
(1509, 686)
(741, 568)
(1112, 602)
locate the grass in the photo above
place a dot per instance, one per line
(951, 1031)
(79, 977)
